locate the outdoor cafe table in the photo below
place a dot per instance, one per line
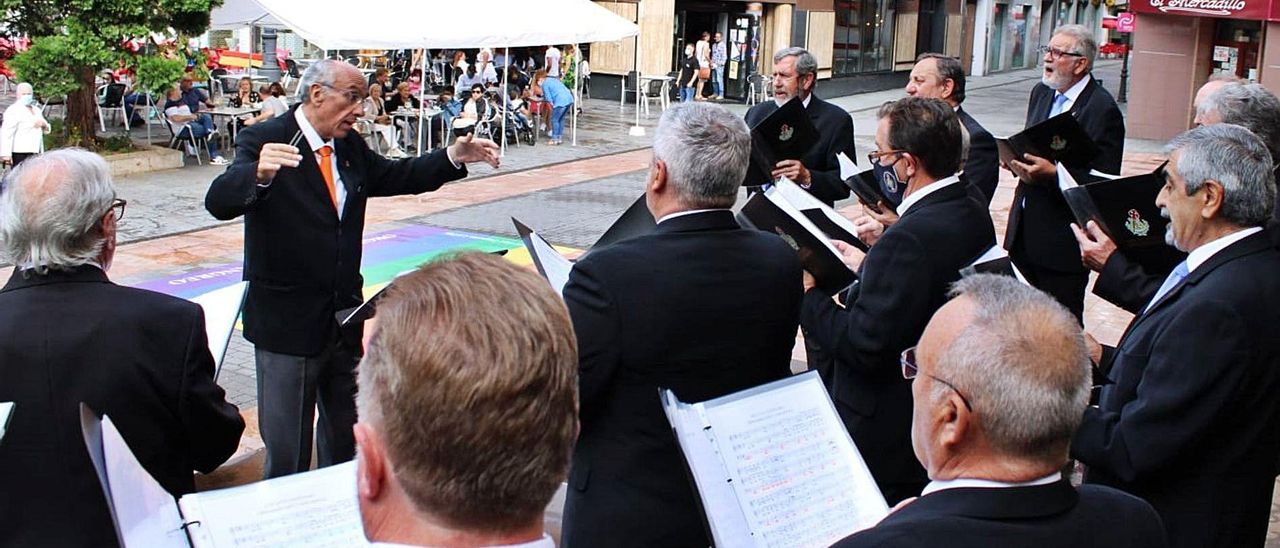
(232, 113)
(411, 116)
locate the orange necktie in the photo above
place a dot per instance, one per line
(326, 169)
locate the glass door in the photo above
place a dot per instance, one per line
(743, 48)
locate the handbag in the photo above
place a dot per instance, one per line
(704, 73)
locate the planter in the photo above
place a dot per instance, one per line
(150, 158)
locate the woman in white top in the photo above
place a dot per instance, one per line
(473, 109)
(24, 127)
(702, 51)
(375, 110)
(272, 105)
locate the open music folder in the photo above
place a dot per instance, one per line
(1125, 209)
(773, 466)
(994, 260)
(785, 134)
(221, 310)
(1057, 139)
(808, 226)
(863, 183)
(6, 412)
(316, 509)
(550, 263)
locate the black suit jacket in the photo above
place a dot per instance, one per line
(1192, 423)
(137, 356)
(301, 261)
(1040, 516)
(1043, 221)
(982, 167)
(701, 307)
(904, 280)
(835, 135)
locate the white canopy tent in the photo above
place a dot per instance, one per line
(233, 14)
(414, 24)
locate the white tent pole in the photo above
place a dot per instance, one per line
(506, 54)
(422, 99)
(636, 130)
(577, 87)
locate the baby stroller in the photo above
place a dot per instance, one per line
(519, 128)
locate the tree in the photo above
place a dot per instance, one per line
(71, 40)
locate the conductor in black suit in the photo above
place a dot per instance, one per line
(304, 220)
(938, 76)
(700, 306)
(1001, 378)
(1039, 237)
(903, 280)
(68, 335)
(1192, 421)
(795, 71)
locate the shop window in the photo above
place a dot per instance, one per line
(1235, 48)
(863, 36)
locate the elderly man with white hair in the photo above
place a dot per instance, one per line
(69, 335)
(1191, 422)
(701, 306)
(22, 133)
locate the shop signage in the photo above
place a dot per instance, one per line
(1234, 9)
(1126, 21)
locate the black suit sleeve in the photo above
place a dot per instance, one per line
(824, 179)
(236, 191)
(1125, 284)
(1106, 128)
(596, 323)
(1175, 405)
(983, 165)
(213, 426)
(869, 332)
(387, 177)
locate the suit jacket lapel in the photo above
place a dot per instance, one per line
(1084, 96)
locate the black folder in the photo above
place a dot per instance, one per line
(829, 272)
(785, 134)
(1058, 139)
(1125, 209)
(865, 186)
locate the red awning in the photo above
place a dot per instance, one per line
(1253, 10)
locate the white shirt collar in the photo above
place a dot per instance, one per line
(544, 542)
(308, 131)
(1074, 92)
(670, 216)
(1199, 255)
(927, 190)
(960, 483)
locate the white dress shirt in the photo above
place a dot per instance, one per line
(19, 132)
(928, 189)
(1073, 93)
(1199, 255)
(315, 142)
(670, 216)
(960, 483)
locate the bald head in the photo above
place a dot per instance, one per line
(53, 212)
(1202, 95)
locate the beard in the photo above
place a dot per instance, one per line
(1055, 80)
(1168, 230)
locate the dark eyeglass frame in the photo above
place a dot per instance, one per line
(910, 369)
(1055, 53)
(117, 206)
(875, 156)
(352, 97)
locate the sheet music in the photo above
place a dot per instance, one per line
(728, 524)
(221, 308)
(796, 472)
(553, 263)
(1065, 179)
(146, 514)
(6, 411)
(847, 167)
(775, 195)
(1097, 173)
(997, 252)
(316, 509)
(802, 200)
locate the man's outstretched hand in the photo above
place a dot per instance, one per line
(467, 149)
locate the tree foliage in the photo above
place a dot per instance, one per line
(71, 40)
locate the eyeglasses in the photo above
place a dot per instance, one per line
(117, 206)
(910, 368)
(352, 96)
(1055, 53)
(875, 156)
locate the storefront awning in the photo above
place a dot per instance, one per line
(1252, 10)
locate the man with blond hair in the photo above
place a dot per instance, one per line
(467, 405)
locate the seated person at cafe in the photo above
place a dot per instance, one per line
(183, 122)
(244, 97)
(404, 99)
(375, 112)
(474, 109)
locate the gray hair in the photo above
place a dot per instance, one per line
(51, 210)
(1236, 158)
(706, 149)
(1023, 365)
(1251, 106)
(1086, 44)
(806, 63)
(323, 72)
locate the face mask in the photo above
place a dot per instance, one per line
(26, 100)
(890, 184)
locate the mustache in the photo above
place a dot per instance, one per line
(1164, 212)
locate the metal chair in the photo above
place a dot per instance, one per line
(653, 91)
(187, 137)
(111, 99)
(755, 89)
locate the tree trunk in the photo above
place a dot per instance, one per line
(82, 112)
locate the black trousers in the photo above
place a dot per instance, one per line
(1065, 287)
(290, 390)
